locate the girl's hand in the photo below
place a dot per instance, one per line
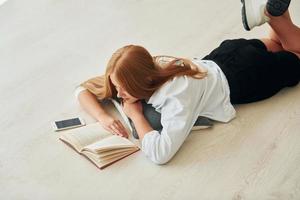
(114, 126)
(133, 109)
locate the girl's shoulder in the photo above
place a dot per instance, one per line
(164, 60)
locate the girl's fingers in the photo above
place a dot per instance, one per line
(115, 128)
(122, 129)
(119, 129)
(110, 130)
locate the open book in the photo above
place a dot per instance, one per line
(98, 145)
(104, 148)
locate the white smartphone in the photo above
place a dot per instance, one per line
(59, 125)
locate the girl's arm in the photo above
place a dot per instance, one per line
(91, 105)
(180, 104)
(142, 126)
(135, 112)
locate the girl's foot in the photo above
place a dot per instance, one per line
(253, 13)
(277, 7)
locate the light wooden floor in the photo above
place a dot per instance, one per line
(47, 47)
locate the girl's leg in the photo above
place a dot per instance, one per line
(272, 42)
(284, 33)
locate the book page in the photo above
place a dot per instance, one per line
(95, 158)
(107, 161)
(117, 155)
(85, 135)
(112, 142)
(109, 154)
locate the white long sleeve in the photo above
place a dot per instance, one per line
(180, 101)
(77, 90)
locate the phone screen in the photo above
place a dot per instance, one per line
(68, 123)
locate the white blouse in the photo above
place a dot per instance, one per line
(180, 101)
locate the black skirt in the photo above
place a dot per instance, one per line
(253, 72)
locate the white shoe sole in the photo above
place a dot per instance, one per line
(244, 16)
(250, 14)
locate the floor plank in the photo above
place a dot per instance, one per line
(48, 47)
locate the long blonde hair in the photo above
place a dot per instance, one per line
(139, 73)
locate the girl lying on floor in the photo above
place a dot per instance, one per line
(238, 71)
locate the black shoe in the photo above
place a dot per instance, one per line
(277, 7)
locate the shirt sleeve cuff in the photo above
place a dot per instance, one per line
(78, 90)
(146, 138)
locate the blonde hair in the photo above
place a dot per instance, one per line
(139, 73)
